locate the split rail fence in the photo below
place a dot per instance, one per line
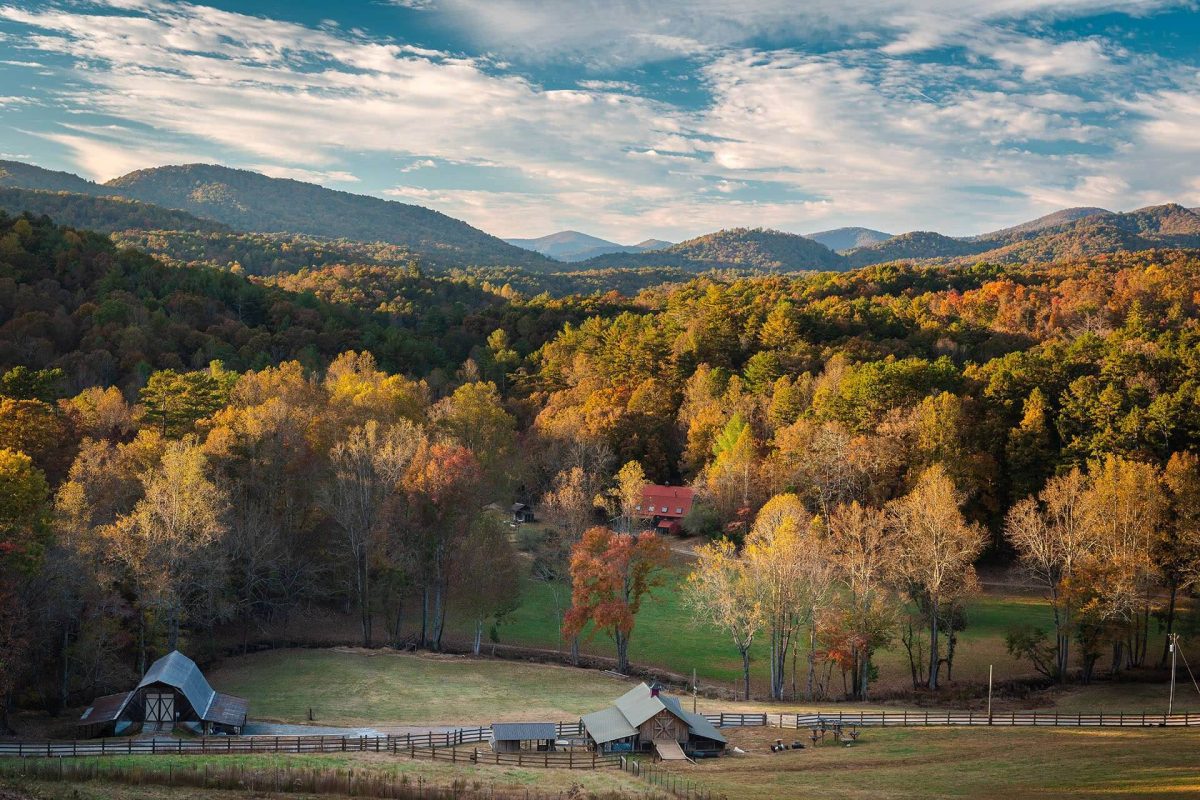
(440, 744)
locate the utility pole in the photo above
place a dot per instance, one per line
(1174, 650)
(989, 694)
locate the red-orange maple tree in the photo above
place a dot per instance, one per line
(610, 575)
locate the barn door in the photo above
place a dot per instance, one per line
(664, 727)
(160, 709)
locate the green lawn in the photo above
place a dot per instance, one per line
(385, 688)
(668, 637)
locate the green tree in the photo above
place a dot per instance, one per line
(176, 401)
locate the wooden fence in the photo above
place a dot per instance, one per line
(662, 778)
(445, 740)
(561, 759)
(975, 718)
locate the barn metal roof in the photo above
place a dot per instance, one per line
(180, 672)
(639, 704)
(523, 731)
(608, 725)
(105, 709)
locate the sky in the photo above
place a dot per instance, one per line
(630, 119)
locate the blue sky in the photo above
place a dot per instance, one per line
(630, 119)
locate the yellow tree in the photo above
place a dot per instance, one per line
(167, 540)
(1124, 508)
(863, 551)
(1053, 543)
(722, 591)
(774, 556)
(936, 548)
(367, 468)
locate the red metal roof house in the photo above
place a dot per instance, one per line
(666, 506)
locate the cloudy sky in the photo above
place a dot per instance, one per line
(630, 118)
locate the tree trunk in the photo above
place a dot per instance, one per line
(574, 651)
(478, 635)
(812, 661)
(425, 614)
(398, 623)
(746, 672)
(1170, 624)
(364, 598)
(622, 652)
(934, 661)
(865, 677)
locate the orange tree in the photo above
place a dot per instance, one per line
(611, 573)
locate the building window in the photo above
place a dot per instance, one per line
(679, 511)
(664, 509)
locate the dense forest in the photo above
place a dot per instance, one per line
(185, 450)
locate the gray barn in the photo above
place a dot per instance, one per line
(512, 737)
(172, 692)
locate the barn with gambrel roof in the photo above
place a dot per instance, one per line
(172, 692)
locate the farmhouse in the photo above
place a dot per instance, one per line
(512, 737)
(645, 719)
(172, 692)
(666, 506)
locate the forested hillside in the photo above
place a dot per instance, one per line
(101, 213)
(249, 201)
(833, 400)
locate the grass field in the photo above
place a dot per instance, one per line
(417, 771)
(978, 763)
(668, 637)
(346, 687)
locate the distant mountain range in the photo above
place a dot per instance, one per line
(842, 239)
(575, 246)
(248, 201)
(212, 200)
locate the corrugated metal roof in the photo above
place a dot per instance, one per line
(608, 725)
(697, 724)
(523, 731)
(640, 704)
(105, 709)
(227, 710)
(177, 670)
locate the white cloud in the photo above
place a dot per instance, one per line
(855, 136)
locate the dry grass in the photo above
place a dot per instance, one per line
(979, 763)
(351, 687)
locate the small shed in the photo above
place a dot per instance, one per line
(523, 512)
(172, 692)
(512, 737)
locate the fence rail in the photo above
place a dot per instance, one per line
(973, 718)
(445, 740)
(563, 759)
(672, 782)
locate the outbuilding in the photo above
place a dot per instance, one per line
(172, 692)
(645, 719)
(513, 737)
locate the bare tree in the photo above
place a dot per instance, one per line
(1052, 541)
(367, 467)
(722, 591)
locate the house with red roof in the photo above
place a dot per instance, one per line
(666, 506)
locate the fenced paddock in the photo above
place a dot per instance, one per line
(442, 742)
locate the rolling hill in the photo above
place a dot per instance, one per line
(576, 246)
(1054, 220)
(106, 214)
(249, 201)
(840, 239)
(735, 248)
